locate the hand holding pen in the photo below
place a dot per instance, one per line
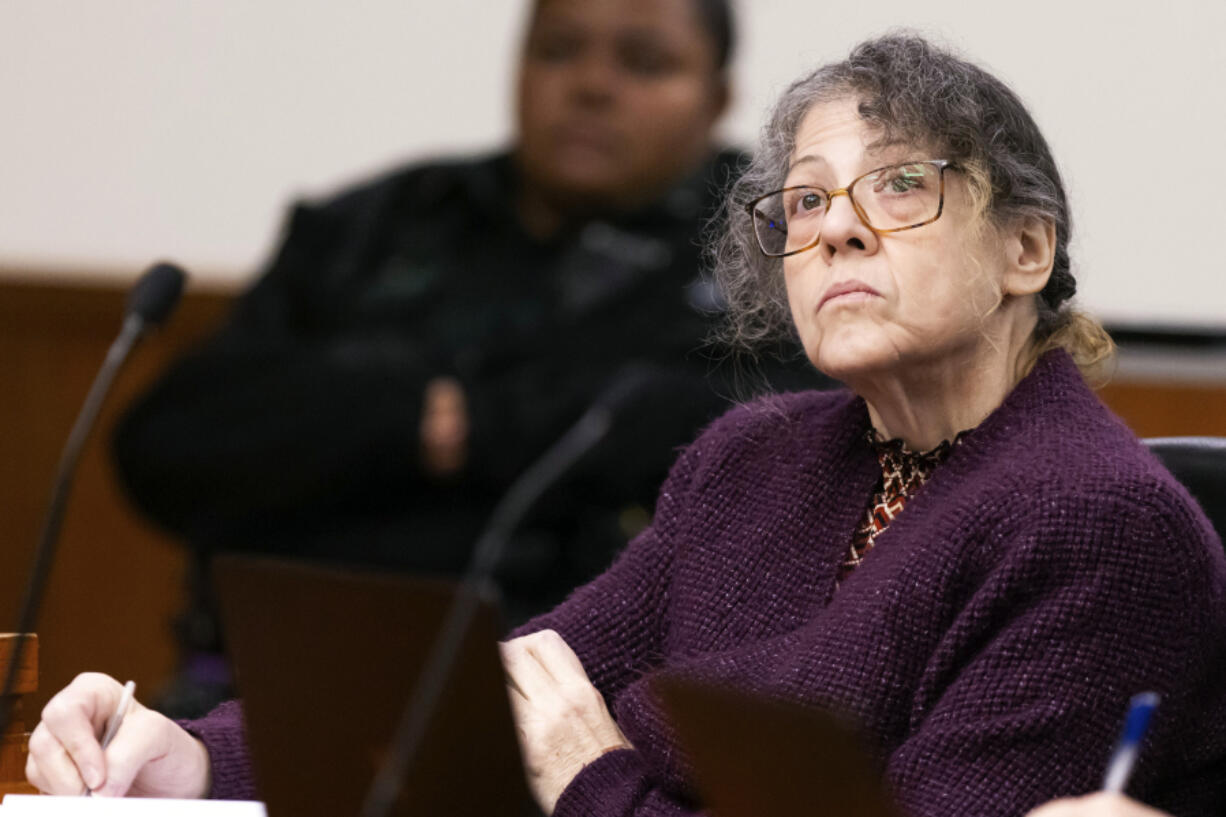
(1110, 802)
(116, 719)
(94, 735)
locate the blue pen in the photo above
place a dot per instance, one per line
(1124, 757)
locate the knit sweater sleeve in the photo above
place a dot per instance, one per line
(224, 737)
(617, 626)
(1085, 603)
(617, 785)
(617, 622)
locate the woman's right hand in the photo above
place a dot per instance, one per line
(150, 755)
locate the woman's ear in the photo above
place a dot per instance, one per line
(1030, 253)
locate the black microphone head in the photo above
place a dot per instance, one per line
(155, 295)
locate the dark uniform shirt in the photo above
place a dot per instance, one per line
(295, 430)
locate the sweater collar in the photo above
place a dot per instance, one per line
(1052, 389)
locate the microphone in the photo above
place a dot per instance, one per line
(628, 385)
(151, 300)
(156, 294)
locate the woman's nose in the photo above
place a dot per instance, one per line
(843, 230)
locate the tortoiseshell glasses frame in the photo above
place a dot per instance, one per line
(763, 221)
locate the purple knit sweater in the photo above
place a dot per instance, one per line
(988, 644)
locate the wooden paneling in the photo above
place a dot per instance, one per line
(117, 581)
(15, 741)
(26, 679)
(1169, 409)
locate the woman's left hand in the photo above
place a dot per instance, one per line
(562, 720)
(1101, 804)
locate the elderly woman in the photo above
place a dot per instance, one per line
(964, 551)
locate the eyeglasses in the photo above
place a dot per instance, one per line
(887, 200)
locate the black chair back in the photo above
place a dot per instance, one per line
(1200, 464)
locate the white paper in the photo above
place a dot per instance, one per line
(37, 805)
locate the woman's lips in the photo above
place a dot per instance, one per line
(847, 291)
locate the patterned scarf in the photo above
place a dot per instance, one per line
(903, 473)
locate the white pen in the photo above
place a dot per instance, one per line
(116, 720)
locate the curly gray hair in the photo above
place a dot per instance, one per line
(914, 92)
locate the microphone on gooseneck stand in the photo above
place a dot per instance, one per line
(151, 300)
(627, 386)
